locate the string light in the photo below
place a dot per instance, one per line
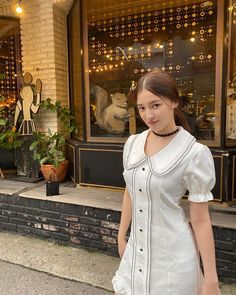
(115, 59)
(19, 9)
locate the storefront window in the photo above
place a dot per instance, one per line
(231, 91)
(75, 61)
(128, 39)
(10, 65)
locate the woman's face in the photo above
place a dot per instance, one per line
(156, 112)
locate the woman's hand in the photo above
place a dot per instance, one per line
(121, 246)
(210, 289)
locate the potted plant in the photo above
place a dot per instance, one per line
(49, 147)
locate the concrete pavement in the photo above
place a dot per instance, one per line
(18, 280)
(79, 265)
(66, 262)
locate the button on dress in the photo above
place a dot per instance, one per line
(161, 257)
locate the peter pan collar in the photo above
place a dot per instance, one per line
(165, 160)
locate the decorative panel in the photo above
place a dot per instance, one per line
(101, 167)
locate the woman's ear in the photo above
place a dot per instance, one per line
(174, 104)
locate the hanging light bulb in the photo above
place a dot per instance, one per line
(19, 9)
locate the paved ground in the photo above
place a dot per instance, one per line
(51, 269)
(18, 280)
(76, 264)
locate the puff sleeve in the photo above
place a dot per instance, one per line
(199, 176)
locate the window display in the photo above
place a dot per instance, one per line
(193, 40)
(126, 41)
(10, 64)
(231, 91)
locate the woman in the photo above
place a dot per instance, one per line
(160, 165)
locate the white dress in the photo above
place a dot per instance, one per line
(161, 256)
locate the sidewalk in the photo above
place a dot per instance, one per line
(76, 264)
(20, 280)
(62, 261)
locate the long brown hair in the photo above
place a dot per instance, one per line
(163, 85)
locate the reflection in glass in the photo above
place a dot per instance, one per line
(10, 63)
(231, 91)
(124, 44)
(10, 68)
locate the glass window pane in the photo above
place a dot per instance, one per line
(10, 64)
(126, 41)
(231, 95)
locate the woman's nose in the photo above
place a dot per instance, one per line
(149, 114)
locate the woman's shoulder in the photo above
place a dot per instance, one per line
(196, 147)
(199, 156)
(199, 148)
(136, 137)
(134, 149)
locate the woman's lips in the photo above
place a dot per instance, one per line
(152, 122)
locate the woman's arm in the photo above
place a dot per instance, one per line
(201, 224)
(126, 216)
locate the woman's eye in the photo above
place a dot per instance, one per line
(140, 108)
(155, 106)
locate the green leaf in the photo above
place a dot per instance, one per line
(44, 160)
(33, 145)
(2, 121)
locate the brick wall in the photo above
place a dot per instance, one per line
(91, 227)
(225, 243)
(73, 224)
(38, 53)
(61, 55)
(6, 9)
(44, 50)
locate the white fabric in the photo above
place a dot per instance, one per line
(161, 256)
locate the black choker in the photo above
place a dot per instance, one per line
(166, 134)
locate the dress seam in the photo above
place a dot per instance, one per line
(134, 233)
(166, 242)
(148, 235)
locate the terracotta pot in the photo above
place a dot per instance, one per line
(60, 171)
